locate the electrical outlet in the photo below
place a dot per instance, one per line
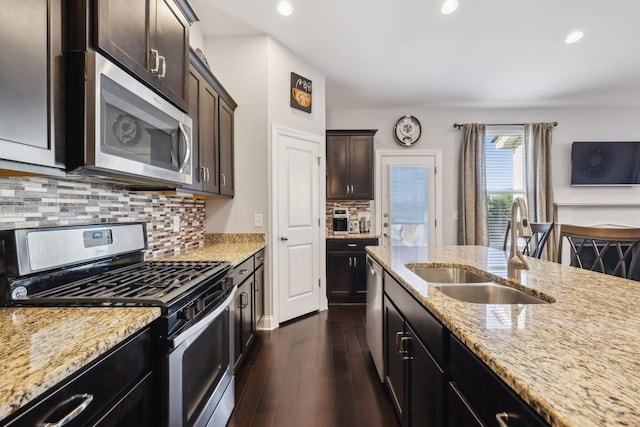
(176, 223)
(257, 220)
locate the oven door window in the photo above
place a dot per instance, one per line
(204, 364)
(134, 129)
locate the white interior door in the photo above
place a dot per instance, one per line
(408, 208)
(298, 226)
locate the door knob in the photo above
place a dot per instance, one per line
(284, 238)
(386, 224)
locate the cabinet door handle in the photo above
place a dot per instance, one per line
(257, 287)
(347, 188)
(399, 335)
(355, 261)
(260, 258)
(187, 145)
(352, 245)
(86, 400)
(503, 419)
(156, 61)
(243, 271)
(350, 265)
(244, 300)
(224, 180)
(351, 188)
(404, 350)
(163, 73)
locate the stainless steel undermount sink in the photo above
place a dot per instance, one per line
(488, 293)
(448, 275)
(470, 286)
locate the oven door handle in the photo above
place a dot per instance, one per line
(204, 322)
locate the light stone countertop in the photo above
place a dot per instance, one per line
(40, 347)
(353, 236)
(232, 251)
(575, 361)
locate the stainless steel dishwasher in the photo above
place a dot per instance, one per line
(374, 314)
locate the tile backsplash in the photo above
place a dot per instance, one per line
(355, 207)
(31, 202)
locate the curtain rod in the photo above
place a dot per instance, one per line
(459, 126)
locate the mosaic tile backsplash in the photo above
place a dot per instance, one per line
(40, 202)
(355, 207)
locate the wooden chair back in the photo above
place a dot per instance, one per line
(614, 251)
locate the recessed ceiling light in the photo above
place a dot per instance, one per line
(285, 7)
(573, 37)
(449, 6)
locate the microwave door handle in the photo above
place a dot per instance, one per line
(187, 143)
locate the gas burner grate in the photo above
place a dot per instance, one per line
(152, 281)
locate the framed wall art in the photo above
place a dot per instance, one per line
(300, 96)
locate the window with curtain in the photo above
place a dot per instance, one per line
(505, 177)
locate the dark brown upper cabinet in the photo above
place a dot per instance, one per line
(350, 164)
(31, 100)
(225, 120)
(149, 38)
(211, 108)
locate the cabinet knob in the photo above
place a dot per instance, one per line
(284, 238)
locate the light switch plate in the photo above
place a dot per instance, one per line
(176, 223)
(257, 220)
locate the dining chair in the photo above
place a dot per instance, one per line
(614, 251)
(534, 245)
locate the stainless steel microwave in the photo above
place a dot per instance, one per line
(120, 130)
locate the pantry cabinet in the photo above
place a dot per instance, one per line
(350, 164)
(32, 82)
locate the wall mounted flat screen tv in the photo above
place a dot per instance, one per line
(605, 163)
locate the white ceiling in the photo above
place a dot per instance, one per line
(487, 54)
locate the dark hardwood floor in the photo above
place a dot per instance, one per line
(313, 371)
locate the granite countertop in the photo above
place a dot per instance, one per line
(353, 236)
(575, 361)
(40, 347)
(233, 248)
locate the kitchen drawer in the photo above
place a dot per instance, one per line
(259, 258)
(430, 331)
(242, 271)
(334, 245)
(107, 380)
(485, 392)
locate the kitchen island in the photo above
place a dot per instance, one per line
(574, 361)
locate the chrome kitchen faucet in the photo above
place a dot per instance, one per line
(521, 228)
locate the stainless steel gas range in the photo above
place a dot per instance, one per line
(102, 265)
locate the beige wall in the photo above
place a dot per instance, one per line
(574, 124)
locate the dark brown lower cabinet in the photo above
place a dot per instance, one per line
(347, 269)
(119, 384)
(485, 394)
(414, 379)
(460, 412)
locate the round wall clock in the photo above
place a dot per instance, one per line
(407, 130)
